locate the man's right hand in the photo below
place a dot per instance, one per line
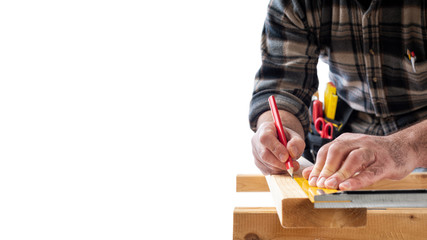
(269, 153)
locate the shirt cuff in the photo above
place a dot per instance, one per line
(285, 101)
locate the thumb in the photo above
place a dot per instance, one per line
(365, 178)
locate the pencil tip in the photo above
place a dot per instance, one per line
(291, 172)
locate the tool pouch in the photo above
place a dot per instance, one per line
(314, 142)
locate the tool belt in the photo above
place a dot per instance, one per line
(314, 142)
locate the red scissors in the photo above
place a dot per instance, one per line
(326, 130)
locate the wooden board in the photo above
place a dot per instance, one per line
(258, 183)
(293, 206)
(251, 183)
(412, 181)
(295, 209)
(262, 223)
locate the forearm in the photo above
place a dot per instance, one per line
(415, 140)
(288, 120)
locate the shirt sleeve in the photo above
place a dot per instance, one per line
(289, 60)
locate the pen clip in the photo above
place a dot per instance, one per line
(413, 59)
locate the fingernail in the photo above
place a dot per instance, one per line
(331, 183)
(312, 181)
(320, 182)
(345, 186)
(282, 158)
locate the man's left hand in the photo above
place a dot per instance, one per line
(354, 161)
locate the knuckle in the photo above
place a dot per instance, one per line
(343, 174)
(335, 148)
(356, 160)
(315, 171)
(345, 135)
(327, 170)
(321, 154)
(368, 156)
(278, 149)
(354, 156)
(275, 148)
(263, 153)
(264, 138)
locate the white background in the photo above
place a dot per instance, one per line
(125, 119)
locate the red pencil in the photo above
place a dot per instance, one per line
(280, 132)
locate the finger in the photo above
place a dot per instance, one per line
(320, 162)
(268, 138)
(337, 153)
(306, 172)
(268, 159)
(296, 144)
(365, 178)
(266, 169)
(357, 160)
(268, 163)
(296, 165)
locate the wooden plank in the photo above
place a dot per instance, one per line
(412, 181)
(262, 223)
(251, 183)
(296, 210)
(258, 183)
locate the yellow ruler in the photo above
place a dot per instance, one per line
(311, 191)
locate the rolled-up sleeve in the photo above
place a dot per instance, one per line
(289, 60)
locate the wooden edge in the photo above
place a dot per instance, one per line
(294, 209)
(251, 183)
(416, 180)
(258, 183)
(262, 223)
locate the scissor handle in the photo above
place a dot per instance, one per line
(319, 125)
(326, 130)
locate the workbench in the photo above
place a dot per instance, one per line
(300, 220)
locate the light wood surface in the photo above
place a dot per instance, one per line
(412, 181)
(296, 210)
(258, 183)
(251, 183)
(262, 223)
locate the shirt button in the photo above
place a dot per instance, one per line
(371, 52)
(374, 79)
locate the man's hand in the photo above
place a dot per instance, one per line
(355, 161)
(270, 154)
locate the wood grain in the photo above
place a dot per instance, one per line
(296, 210)
(258, 183)
(412, 181)
(262, 223)
(251, 183)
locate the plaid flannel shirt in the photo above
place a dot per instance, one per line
(367, 56)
